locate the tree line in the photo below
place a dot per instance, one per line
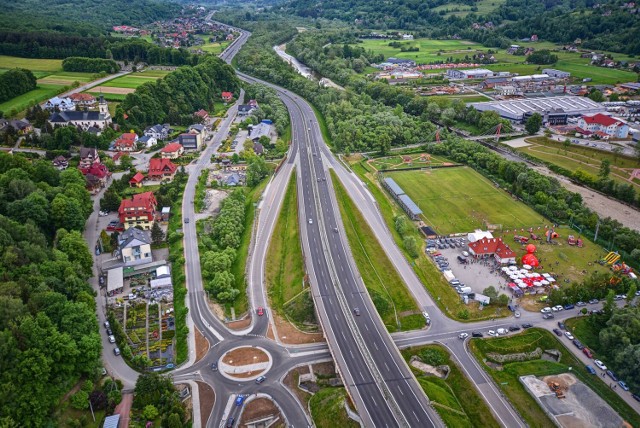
(48, 329)
(16, 82)
(90, 65)
(175, 97)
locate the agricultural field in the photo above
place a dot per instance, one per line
(438, 50)
(129, 83)
(33, 64)
(455, 200)
(211, 47)
(587, 159)
(506, 375)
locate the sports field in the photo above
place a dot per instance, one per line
(457, 200)
(133, 80)
(407, 161)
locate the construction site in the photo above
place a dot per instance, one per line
(569, 402)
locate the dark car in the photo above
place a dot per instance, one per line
(476, 334)
(356, 311)
(569, 306)
(557, 332)
(116, 351)
(214, 367)
(527, 325)
(514, 328)
(109, 332)
(261, 379)
(548, 315)
(230, 422)
(578, 344)
(590, 369)
(612, 375)
(636, 397)
(561, 325)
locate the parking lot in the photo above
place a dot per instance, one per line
(475, 274)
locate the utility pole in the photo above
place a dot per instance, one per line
(595, 238)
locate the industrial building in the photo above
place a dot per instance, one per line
(558, 74)
(476, 73)
(554, 110)
(405, 201)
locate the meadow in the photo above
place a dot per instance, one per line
(455, 200)
(438, 50)
(462, 10)
(133, 80)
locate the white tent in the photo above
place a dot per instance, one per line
(479, 234)
(115, 279)
(160, 283)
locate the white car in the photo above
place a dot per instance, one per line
(310, 221)
(492, 333)
(112, 339)
(545, 310)
(463, 336)
(569, 335)
(517, 314)
(557, 308)
(599, 364)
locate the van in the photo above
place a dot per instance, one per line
(502, 331)
(464, 290)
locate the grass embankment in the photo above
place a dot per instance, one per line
(323, 125)
(241, 305)
(386, 288)
(201, 191)
(456, 200)
(445, 297)
(284, 270)
(573, 158)
(455, 399)
(508, 378)
(176, 257)
(327, 409)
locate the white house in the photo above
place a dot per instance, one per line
(603, 124)
(159, 132)
(83, 119)
(147, 140)
(62, 104)
(135, 247)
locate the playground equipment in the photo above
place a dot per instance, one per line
(520, 239)
(621, 268)
(572, 240)
(529, 258)
(533, 236)
(611, 258)
(550, 234)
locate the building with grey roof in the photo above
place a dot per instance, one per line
(135, 247)
(518, 110)
(402, 198)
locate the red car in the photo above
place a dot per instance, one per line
(260, 311)
(587, 352)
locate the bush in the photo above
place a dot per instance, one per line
(80, 400)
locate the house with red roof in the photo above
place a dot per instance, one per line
(96, 176)
(202, 114)
(140, 210)
(608, 125)
(488, 247)
(126, 142)
(172, 151)
(136, 180)
(83, 99)
(161, 169)
(227, 96)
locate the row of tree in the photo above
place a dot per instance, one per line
(48, 330)
(175, 97)
(222, 243)
(90, 65)
(16, 82)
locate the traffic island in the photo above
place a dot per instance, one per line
(245, 363)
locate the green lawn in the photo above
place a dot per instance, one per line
(473, 98)
(455, 200)
(577, 157)
(134, 80)
(327, 409)
(214, 48)
(109, 97)
(385, 286)
(461, 10)
(284, 270)
(21, 102)
(429, 49)
(33, 64)
(508, 377)
(455, 399)
(67, 78)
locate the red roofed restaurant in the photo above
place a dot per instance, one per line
(495, 247)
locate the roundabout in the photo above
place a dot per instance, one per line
(245, 363)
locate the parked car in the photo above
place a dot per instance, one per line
(599, 364)
(557, 308)
(623, 385)
(491, 333)
(230, 423)
(580, 304)
(587, 352)
(561, 325)
(548, 316)
(260, 379)
(612, 375)
(578, 344)
(590, 369)
(569, 306)
(619, 297)
(545, 310)
(116, 351)
(109, 332)
(569, 335)
(635, 397)
(514, 328)
(112, 225)
(527, 325)
(477, 334)
(463, 336)
(557, 332)
(106, 324)
(112, 339)
(593, 301)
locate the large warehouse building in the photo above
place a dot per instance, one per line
(554, 110)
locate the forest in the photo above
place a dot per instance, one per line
(16, 82)
(48, 329)
(90, 65)
(600, 25)
(175, 97)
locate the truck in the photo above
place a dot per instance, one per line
(465, 290)
(448, 275)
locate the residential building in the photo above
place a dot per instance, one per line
(22, 126)
(189, 141)
(245, 110)
(136, 180)
(258, 148)
(202, 114)
(198, 129)
(227, 96)
(83, 99)
(135, 247)
(88, 157)
(259, 130)
(233, 180)
(602, 123)
(126, 142)
(83, 119)
(60, 163)
(147, 141)
(407, 37)
(253, 103)
(492, 247)
(140, 210)
(172, 151)
(60, 104)
(558, 74)
(161, 169)
(476, 73)
(159, 132)
(96, 176)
